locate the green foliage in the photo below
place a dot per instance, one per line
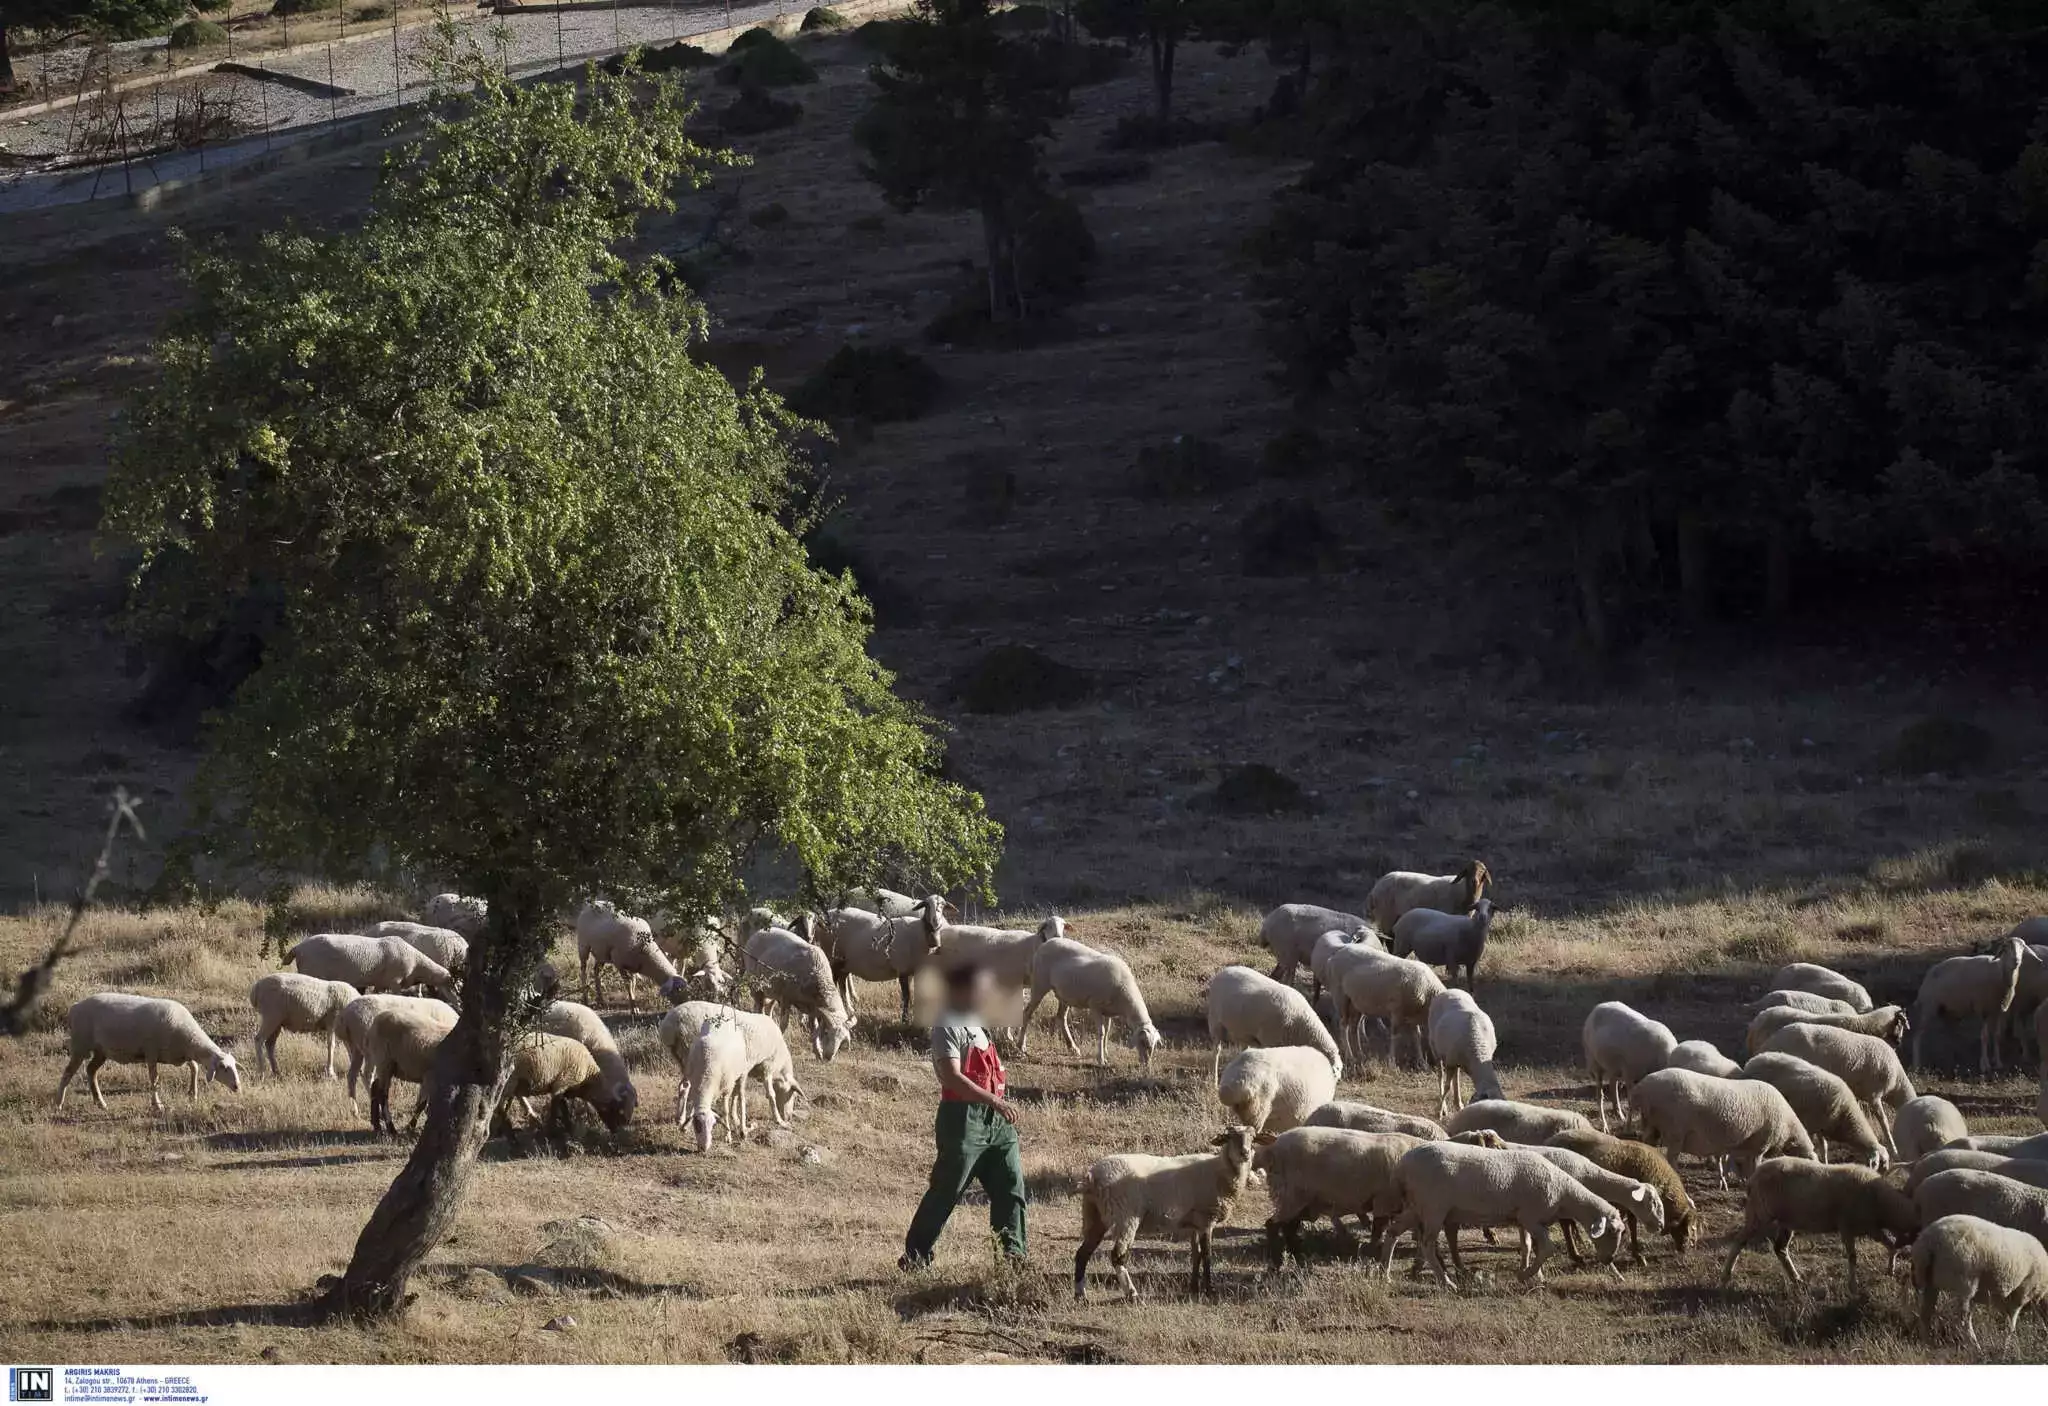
(822, 17)
(303, 7)
(196, 34)
(679, 57)
(869, 383)
(548, 627)
(759, 59)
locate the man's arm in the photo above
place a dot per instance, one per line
(947, 1067)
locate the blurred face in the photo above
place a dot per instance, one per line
(969, 992)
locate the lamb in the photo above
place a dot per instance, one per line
(767, 1053)
(466, 916)
(1647, 1165)
(717, 1077)
(1820, 981)
(1364, 1118)
(1527, 1123)
(1999, 1199)
(1967, 1256)
(1462, 1039)
(795, 976)
(1397, 990)
(1318, 1171)
(1887, 1023)
(1855, 1203)
(1248, 1008)
(1827, 1107)
(1926, 1124)
(1404, 890)
(587, 1028)
(1275, 1090)
(1803, 1000)
(559, 1068)
(288, 1001)
(1864, 1062)
(1085, 979)
(1123, 1195)
(444, 945)
(608, 937)
(877, 948)
(1621, 1046)
(1684, 1112)
(1977, 987)
(1703, 1057)
(369, 963)
(1292, 928)
(1445, 1185)
(400, 1044)
(141, 1030)
(354, 1027)
(1445, 940)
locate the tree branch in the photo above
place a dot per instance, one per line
(34, 983)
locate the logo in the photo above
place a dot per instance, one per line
(31, 1384)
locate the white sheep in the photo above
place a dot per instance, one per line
(767, 1053)
(1887, 1023)
(1122, 1195)
(2002, 1200)
(1447, 940)
(1969, 1258)
(1447, 1185)
(1527, 1123)
(560, 1068)
(697, 949)
(2034, 1147)
(1004, 953)
(607, 937)
(1786, 1197)
(1820, 981)
(1326, 1171)
(1395, 990)
(1245, 1007)
(1949, 1158)
(1804, 1000)
(1290, 930)
(400, 1044)
(1404, 890)
(1622, 1045)
(452, 910)
(1979, 988)
(587, 1028)
(1703, 1057)
(792, 976)
(445, 945)
(305, 1004)
(1082, 978)
(354, 1028)
(1272, 1090)
(1866, 1063)
(369, 964)
(1637, 1200)
(141, 1030)
(1364, 1118)
(1746, 1119)
(2029, 1000)
(873, 947)
(717, 1078)
(1461, 1038)
(1926, 1124)
(1827, 1108)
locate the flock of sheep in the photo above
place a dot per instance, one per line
(1821, 1077)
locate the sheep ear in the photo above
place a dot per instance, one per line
(1264, 1140)
(1598, 1228)
(1636, 1195)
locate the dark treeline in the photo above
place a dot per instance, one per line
(1704, 302)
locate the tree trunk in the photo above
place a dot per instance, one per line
(999, 245)
(467, 1081)
(1586, 552)
(1162, 80)
(6, 61)
(1778, 577)
(1693, 574)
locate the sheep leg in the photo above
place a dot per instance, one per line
(903, 987)
(1571, 1242)
(1102, 1024)
(1884, 1122)
(1970, 1314)
(1194, 1264)
(195, 1081)
(1540, 1238)
(583, 976)
(682, 1099)
(1408, 1220)
(2013, 1307)
(1930, 1299)
(1092, 1231)
(1849, 1253)
(70, 1072)
(1067, 1027)
(1781, 1246)
(1425, 1240)
(1741, 1242)
(1600, 1093)
(1024, 1021)
(330, 1052)
(156, 1094)
(1451, 1229)
(92, 1079)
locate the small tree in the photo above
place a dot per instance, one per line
(956, 122)
(548, 627)
(116, 19)
(1160, 25)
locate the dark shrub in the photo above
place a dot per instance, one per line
(1940, 743)
(1294, 453)
(878, 35)
(822, 17)
(869, 383)
(1024, 19)
(196, 34)
(1057, 248)
(1257, 789)
(304, 7)
(1015, 678)
(757, 110)
(894, 606)
(1187, 466)
(764, 62)
(1286, 537)
(770, 215)
(1106, 171)
(678, 57)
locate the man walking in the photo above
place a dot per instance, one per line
(975, 1129)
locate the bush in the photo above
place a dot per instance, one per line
(1286, 537)
(870, 383)
(770, 215)
(1187, 466)
(1015, 678)
(372, 12)
(1108, 171)
(1295, 452)
(878, 35)
(822, 17)
(304, 7)
(894, 606)
(756, 110)
(1056, 249)
(1940, 743)
(679, 57)
(1024, 19)
(764, 61)
(1144, 132)
(1089, 64)
(197, 34)
(1256, 789)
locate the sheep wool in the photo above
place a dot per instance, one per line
(1703, 1057)
(444, 945)
(1446, 1183)
(1969, 1258)
(1647, 1165)
(587, 1028)
(797, 977)
(1827, 1108)
(1191, 1195)
(1787, 1197)
(1334, 1172)
(767, 1052)
(1251, 1009)
(1081, 978)
(717, 1077)
(1868, 1065)
(1396, 990)
(143, 1030)
(1621, 1046)
(1926, 1124)
(1979, 988)
(1364, 1118)
(1527, 1123)
(1462, 1040)
(2003, 1200)
(1290, 930)
(1820, 981)
(1448, 940)
(877, 947)
(369, 963)
(1746, 1119)
(605, 937)
(1403, 890)
(305, 1005)
(1272, 1090)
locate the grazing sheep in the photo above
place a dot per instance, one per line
(1462, 1039)
(400, 1044)
(609, 938)
(1364, 1118)
(1647, 1165)
(1969, 1257)
(1826, 1106)
(1004, 953)
(1865, 1063)
(2029, 1001)
(876, 948)
(587, 1028)
(451, 910)
(1527, 1123)
(354, 1027)
(1446, 1185)
(1950, 1158)
(1123, 1195)
(1747, 1119)
(370, 964)
(795, 976)
(1703, 1057)
(1292, 928)
(1249, 1008)
(1396, 990)
(445, 945)
(1803, 1000)
(1926, 1124)
(1622, 1045)
(1855, 1203)
(2002, 1200)
(716, 1074)
(1635, 1198)
(697, 949)
(306, 1004)
(1887, 1023)
(890, 904)
(767, 1052)
(1334, 1172)
(1821, 981)
(1327, 946)
(1403, 890)
(1979, 988)
(1272, 1090)
(2007, 1144)
(1446, 940)
(1081, 978)
(141, 1030)
(559, 1068)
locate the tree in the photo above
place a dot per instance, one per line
(956, 121)
(1160, 25)
(548, 628)
(116, 19)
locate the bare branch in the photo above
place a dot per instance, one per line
(34, 983)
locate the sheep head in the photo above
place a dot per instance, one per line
(224, 1071)
(1147, 1038)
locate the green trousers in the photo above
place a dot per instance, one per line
(975, 1143)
